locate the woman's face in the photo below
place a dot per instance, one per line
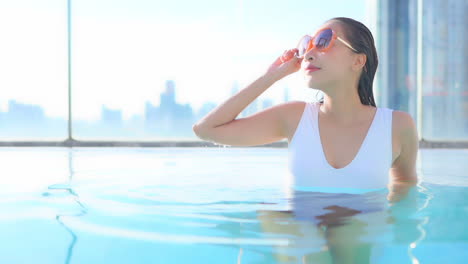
(335, 63)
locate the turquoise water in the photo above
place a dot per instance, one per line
(218, 205)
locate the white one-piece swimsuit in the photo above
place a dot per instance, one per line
(369, 170)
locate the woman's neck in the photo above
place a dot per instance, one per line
(345, 109)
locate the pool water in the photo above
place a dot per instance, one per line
(218, 205)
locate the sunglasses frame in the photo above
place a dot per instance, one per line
(332, 40)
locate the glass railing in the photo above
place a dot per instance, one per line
(143, 72)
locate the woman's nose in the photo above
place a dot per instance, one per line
(310, 55)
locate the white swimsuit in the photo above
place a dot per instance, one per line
(310, 171)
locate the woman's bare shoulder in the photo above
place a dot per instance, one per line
(293, 112)
(404, 166)
(404, 131)
(295, 104)
(293, 109)
(403, 121)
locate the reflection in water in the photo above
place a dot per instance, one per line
(67, 188)
(343, 228)
(406, 221)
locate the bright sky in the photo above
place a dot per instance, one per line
(123, 51)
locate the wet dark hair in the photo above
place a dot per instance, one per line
(362, 40)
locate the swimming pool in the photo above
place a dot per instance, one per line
(218, 205)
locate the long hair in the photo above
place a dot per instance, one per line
(362, 40)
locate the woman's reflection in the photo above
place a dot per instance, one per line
(338, 228)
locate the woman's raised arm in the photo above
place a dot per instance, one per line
(264, 127)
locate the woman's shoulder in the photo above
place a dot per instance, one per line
(295, 105)
(292, 112)
(403, 120)
(404, 129)
(296, 108)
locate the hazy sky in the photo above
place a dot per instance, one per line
(123, 51)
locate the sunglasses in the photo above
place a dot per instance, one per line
(322, 41)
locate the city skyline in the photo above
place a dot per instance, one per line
(169, 118)
(122, 52)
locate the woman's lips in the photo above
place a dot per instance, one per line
(312, 69)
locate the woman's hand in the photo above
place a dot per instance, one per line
(284, 65)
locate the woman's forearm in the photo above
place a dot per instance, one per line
(399, 189)
(232, 107)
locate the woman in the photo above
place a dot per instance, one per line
(344, 141)
(341, 61)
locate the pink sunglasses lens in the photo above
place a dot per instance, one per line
(323, 39)
(303, 45)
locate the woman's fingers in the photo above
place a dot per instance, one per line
(285, 64)
(287, 55)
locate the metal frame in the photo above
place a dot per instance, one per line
(195, 143)
(70, 138)
(419, 71)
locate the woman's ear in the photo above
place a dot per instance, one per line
(360, 62)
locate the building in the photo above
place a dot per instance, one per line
(423, 59)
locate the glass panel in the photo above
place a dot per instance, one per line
(444, 64)
(445, 71)
(33, 66)
(148, 70)
(396, 46)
